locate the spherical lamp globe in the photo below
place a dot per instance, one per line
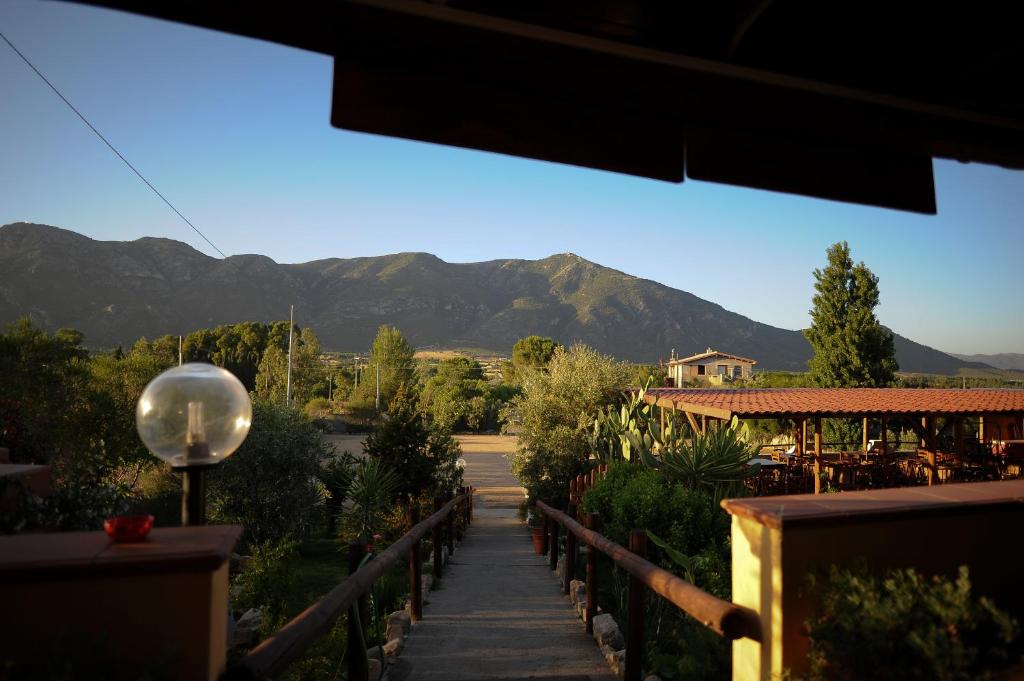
(193, 415)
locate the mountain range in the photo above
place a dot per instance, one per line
(115, 292)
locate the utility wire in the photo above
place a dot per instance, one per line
(107, 142)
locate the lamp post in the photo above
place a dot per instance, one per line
(193, 417)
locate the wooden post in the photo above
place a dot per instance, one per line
(703, 424)
(358, 667)
(449, 530)
(817, 455)
(958, 436)
(864, 437)
(572, 490)
(803, 434)
(570, 553)
(553, 545)
(415, 589)
(544, 543)
(635, 616)
(801, 425)
(594, 524)
(981, 428)
(435, 539)
(884, 446)
(928, 423)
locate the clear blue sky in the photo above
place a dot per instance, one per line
(235, 132)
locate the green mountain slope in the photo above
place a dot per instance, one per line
(117, 291)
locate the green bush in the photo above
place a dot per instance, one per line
(696, 534)
(266, 582)
(271, 485)
(904, 625)
(554, 417)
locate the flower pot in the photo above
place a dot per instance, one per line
(538, 540)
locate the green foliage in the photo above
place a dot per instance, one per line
(851, 348)
(903, 625)
(266, 582)
(422, 455)
(533, 352)
(309, 375)
(715, 462)
(690, 536)
(45, 378)
(554, 418)
(270, 486)
(457, 397)
(371, 493)
(620, 431)
(393, 354)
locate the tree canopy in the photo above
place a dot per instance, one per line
(533, 351)
(393, 354)
(851, 348)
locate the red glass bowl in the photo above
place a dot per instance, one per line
(128, 528)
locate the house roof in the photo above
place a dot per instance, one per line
(785, 402)
(711, 353)
(756, 94)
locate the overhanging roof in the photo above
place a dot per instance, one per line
(710, 353)
(790, 402)
(841, 101)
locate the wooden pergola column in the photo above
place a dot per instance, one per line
(928, 425)
(817, 455)
(864, 437)
(800, 435)
(884, 445)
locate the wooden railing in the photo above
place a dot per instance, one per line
(728, 619)
(272, 656)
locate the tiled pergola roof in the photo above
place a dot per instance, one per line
(787, 402)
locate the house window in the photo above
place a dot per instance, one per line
(737, 371)
(701, 369)
(723, 369)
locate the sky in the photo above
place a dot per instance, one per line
(236, 133)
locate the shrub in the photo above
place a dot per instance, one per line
(266, 582)
(270, 486)
(317, 406)
(554, 415)
(903, 625)
(690, 536)
(422, 455)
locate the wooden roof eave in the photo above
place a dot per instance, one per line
(699, 409)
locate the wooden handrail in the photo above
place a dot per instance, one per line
(273, 655)
(728, 619)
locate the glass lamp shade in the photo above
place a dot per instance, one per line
(193, 415)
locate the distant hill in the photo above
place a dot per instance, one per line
(1009, 361)
(116, 292)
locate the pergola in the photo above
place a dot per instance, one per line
(1000, 412)
(842, 101)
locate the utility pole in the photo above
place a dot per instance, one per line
(378, 386)
(330, 388)
(356, 370)
(179, 351)
(291, 342)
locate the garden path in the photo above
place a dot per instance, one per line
(499, 613)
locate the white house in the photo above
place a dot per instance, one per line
(710, 366)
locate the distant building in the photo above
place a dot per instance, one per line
(711, 366)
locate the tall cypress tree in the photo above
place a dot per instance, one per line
(851, 348)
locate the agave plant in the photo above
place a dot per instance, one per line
(717, 461)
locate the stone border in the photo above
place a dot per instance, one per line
(607, 634)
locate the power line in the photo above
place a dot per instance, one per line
(107, 142)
